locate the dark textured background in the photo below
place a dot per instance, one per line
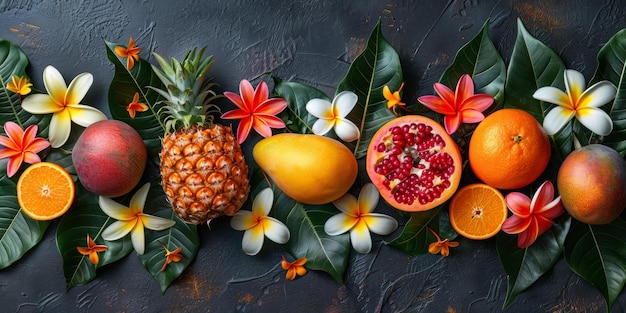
(311, 42)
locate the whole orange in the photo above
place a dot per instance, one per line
(509, 149)
(592, 184)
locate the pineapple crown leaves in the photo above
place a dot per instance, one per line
(187, 96)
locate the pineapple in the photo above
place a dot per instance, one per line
(203, 170)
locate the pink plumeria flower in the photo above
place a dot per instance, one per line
(461, 106)
(578, 102)
(255, 110)
(131, 219)
(20, 146)
(532, 218)
(356, 217)
(64, 103)
(333, 115)
(257, 225)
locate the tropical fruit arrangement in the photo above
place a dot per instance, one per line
(525, 154)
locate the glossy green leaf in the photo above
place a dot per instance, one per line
(481, 60)
(122, 89)
(524, 266)
(297, 95)
(13, 61)
(378, 65)
(18, 232)
(534, 65)
(306, 226)
(612, 67)
(415, 237)
(86, 217)
(598, 254)
(180, 235)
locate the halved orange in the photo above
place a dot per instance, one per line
(477, 211)
(45, 191)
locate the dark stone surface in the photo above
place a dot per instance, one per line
(311, 42)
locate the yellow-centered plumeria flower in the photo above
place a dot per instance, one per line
(578, 102)
(333, 115)
(92, 250)
(356, 216)
(19, 85)
(64, 103)
(258, 225)
(394, 99)
(131, 219)
(295, 268)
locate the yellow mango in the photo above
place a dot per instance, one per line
(308, 168)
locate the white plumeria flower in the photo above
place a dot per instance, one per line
(357, 217)
(258, 225)
(334, 115)
(578, 102)
(131, 219)
(64, 103)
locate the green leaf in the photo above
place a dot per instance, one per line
(86, 217)
(415, 237)
(180, 235)
(534, 65)
(481, 60)
(18, 232)
(378, 65)
(122, 89)
(598, 254)
(612, 67)
(524, 266)
(297, 95)
(13, 61)
(306, 226)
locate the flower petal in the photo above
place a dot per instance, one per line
(515, 224)
(437, 104)
(235, 114)
(320, 108)
(78, 88)
(368, 198)
(322, 126)
(595, 120)
(138, 200)
(118, 229)
(479, 102)
(339, 224)
(55, 84)
(553, 95)
(261, 126)
(243, 220)
(275, 230)
(543, 196)
(344, 102)
(261, 93)
(60, 128)
(85, 115)
(30, 157)
(138, 238)
(348, 204)
(518, 203)
(597, 95)
(556, 119)
(446, 94)
(243, 130)
(40, 104)
(380, 224)
(361, 238)
(464, 90)
(574, 84)
(270, 120)
(452, 122)
(252, 241)
(247, 95)
(14, 164)
(115, 210)
(237, 100)
(346, 130)
(271, 106)
(471, 116)
(155, 222)
(262, 203)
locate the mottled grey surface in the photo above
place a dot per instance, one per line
(311, 42)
